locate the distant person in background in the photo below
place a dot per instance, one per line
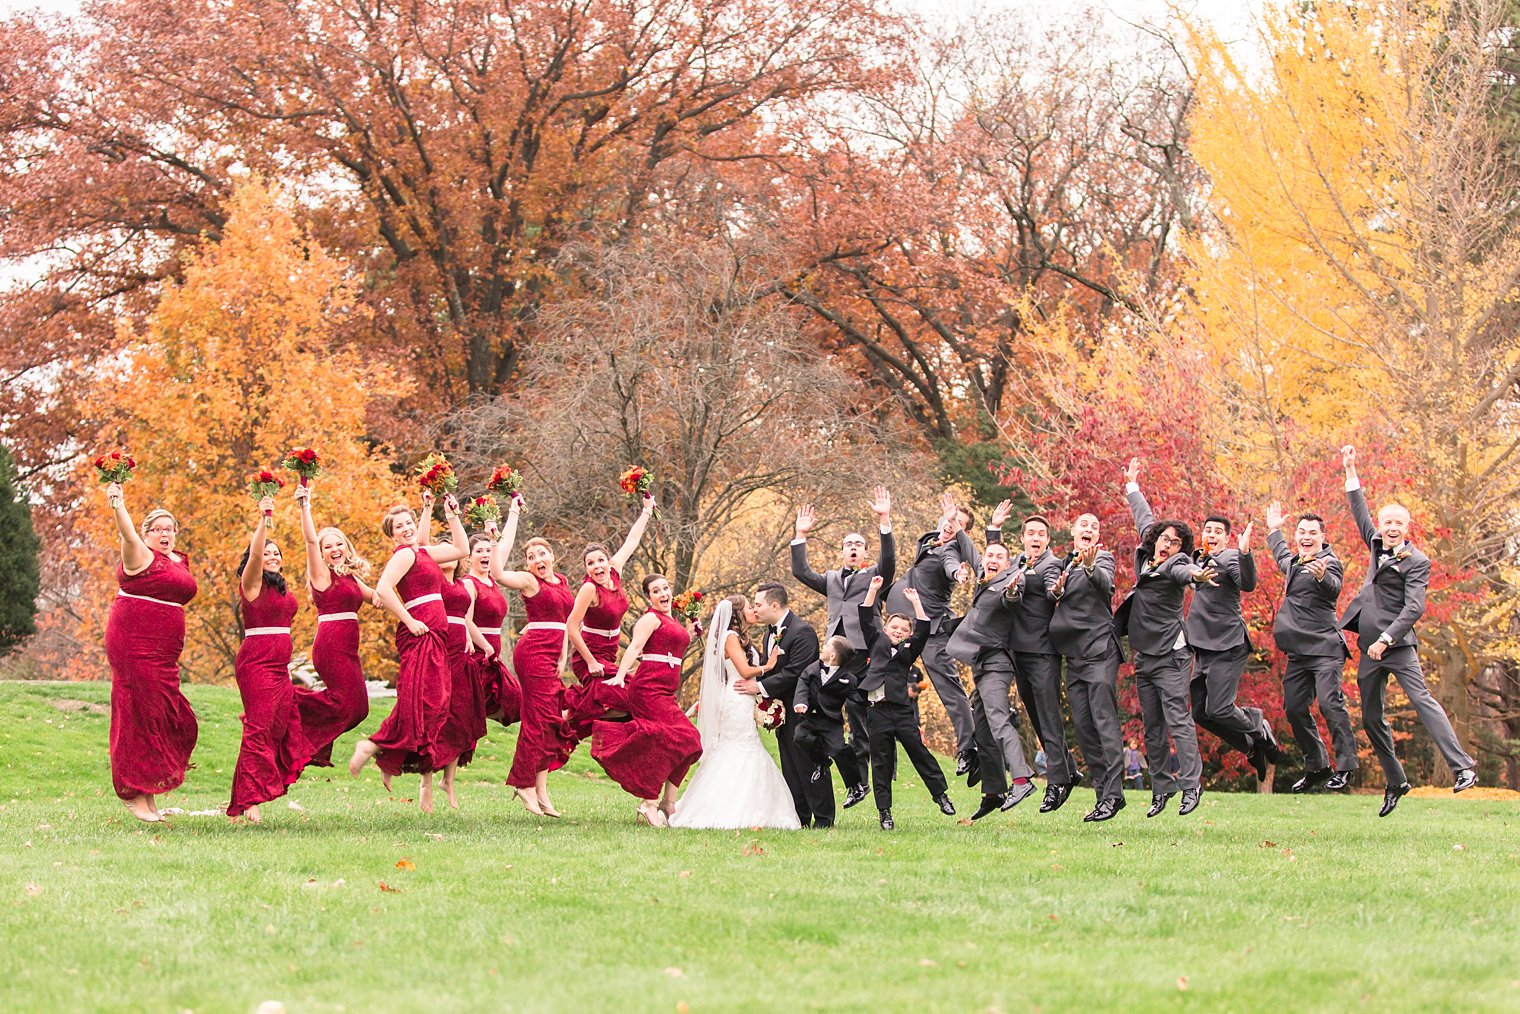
(1134, 766)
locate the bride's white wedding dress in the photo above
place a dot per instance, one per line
(737, 784)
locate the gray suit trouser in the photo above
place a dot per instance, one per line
(1372, 680)
(1215, 686)
(1092, 688)
(1162, 683)
(1038, 677)
(945, 674)
(1311, 677)
(999, 752)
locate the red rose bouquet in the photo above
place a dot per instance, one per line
(770, 712)
(481, 510)
(306, 463)
(264, 483)
(636, 480)
(688, 604)
(505, 481)
(116, 466)
(436, 475)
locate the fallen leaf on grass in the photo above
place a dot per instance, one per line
(683, 1008)
(1057, 866)
(684, 873)
(675, 973)
(1459, 847)
(34, 889)
(754, 848)
(405, 864)
(388, 889)
(1053, 917)
(1182, 983)
(964, 822)
(1268, 844)
(436, 837)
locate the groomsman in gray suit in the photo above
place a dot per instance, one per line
(1307, 631)
(1082, 630)
(980, 639)
(942, 559)
(1037, 664)
(844, 587)
(1382, 616)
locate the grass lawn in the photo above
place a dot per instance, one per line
(359, 902)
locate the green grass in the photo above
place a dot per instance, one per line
(1255, 903)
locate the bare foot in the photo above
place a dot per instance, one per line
(153, 805)
(363, 751)
(529, 802)
(138, 807)
(425, 797)
(253, 815)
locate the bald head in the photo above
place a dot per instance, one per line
(1393, 523)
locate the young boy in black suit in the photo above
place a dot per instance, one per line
(894, 646)
(822, 693)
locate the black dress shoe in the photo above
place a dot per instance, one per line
(1258, 757)
(965, 762)
(886, 820)
(1270, 746)
(1465, 780)
(945, 806)
(974, 776)
(1391, 797)
(1158, 803)
(1054, 797)
(1312, 779)
(1338, 781)
(822, 825)
(1190, 800)
(1017, 794)
(988, 805)
(856, 794)
(1105, 810)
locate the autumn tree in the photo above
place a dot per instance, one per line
(1359, 279)
(236, 366)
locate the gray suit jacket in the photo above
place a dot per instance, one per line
(1392, 599)
(844, 591)
(1214, 621)
(989, 620)
(933, 574)
(1082, 620)
(1031, 621)
(1306, 623)
(1151, 614)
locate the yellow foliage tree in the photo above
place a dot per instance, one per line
(236, 367)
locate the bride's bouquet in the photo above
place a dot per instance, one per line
(770, 712)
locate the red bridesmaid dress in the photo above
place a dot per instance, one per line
(274, 748)
(540, 746)
(153, 729)
(467, 706)
(344, 703)
(658, 743)
(407, 741)
(503, 697)
(602, 631)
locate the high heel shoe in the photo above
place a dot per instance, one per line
(548, 808)
(529, 802)
(651, 815)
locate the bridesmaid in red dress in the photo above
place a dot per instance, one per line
(334, 573)
(411, 589)
(502, 696)
(651, 753)
(595, 627)
(466, 722)
(538, 658)
(153, 728)
(274, 748)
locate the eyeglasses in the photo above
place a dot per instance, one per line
(162, 531)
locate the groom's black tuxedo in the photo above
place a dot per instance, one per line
(798, 642)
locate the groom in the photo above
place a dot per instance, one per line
(798, 643)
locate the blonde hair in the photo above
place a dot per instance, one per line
(387, 523)
(538, 540)
(152, 516)
(352, 562)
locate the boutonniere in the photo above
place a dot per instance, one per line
(1404, 552)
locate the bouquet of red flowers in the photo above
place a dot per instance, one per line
(305, 463)
(770, 712)
(114, 467)
(436, 475)
(636, 480)
(264, 483)
(481, 510)
(688, 604)
(505, 481)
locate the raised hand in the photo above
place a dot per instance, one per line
(1244, 542)
(877, 582)
(804, 519)
(450, 505)
(963, 573)
(1132, 471)
(266, 506)
(947, 504)
(1088, 556)
(649, 504)
(1000, 514)
(910, 593)
(1205, 575)
(1348, 459)
(113, 494)
(1275, 517)
(491, 528)
(881, 504)
(517, 502)
(303, 496)
(427, 501)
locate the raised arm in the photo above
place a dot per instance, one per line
(135, 554)
(801, 569)
(318, 574)
(252, 578)
(1000, 515)
(964, 552)
(458, 546)
(647, 625)
(1139, 507)
(1357, 497)
(1276, 541)
(517, 580)
(886, 556)
(635, 534)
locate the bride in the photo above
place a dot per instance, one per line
(737, 784)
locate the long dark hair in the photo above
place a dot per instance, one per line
(739, 603)
(1148, 544)
(272, 579)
